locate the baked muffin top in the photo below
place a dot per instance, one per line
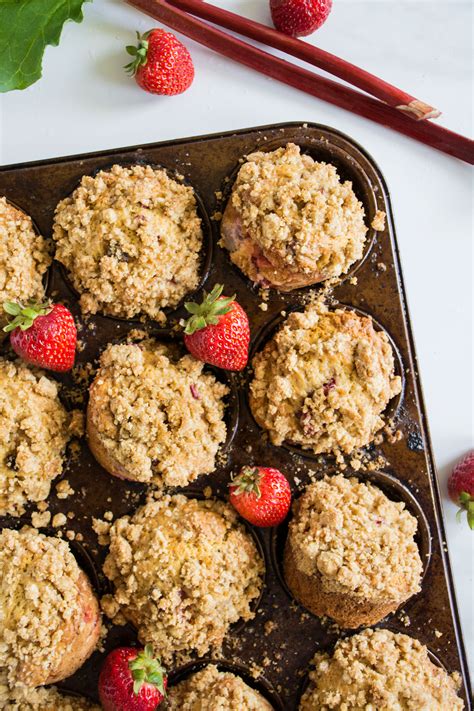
(24, 256)
(46, 699)
(214, 690)
(34, 431)
(324, 380)
(358, 541)
(378, 670)
(39, 580)
(160, 417)
(184, 570)
(130, 239)
(298, 213)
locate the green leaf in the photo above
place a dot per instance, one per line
(11, 308)
(26, 28)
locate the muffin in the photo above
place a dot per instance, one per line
(323, 381)
(350, 553)
(380, 671)
(24, 258)
(153, 417)
(184, 570)
(34, 431)
(50, 615)
(130, 239)
(214, 690)
(291, 222)
(50, 699)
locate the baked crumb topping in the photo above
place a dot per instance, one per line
(288, 212)
(378, 670)
(40, 604)
(184, 570)
(214, 690)
(159, 417)
(357, 539)
(34, 431)
(50, 699)
(24, 256)
(130, 239)
(324, 380)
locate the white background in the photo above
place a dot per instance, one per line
(85, 102)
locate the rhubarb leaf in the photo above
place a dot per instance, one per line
(26, 28)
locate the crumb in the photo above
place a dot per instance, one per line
(40, 520)
(59, 519)
(64, 489)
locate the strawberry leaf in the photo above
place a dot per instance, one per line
(26, 28)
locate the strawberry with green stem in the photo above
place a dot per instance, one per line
(218, 331)
(43, 334)
(161, 64)
(132, 680)
(261, 495)
(461, 487)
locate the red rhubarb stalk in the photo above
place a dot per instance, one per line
(350, 73)
(354, 101)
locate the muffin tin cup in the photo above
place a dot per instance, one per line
(261, 684)
(270, 329)
(395, 490)
(354, 172)
(284, 647)
(206, 253)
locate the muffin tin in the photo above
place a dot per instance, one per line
(284, 637)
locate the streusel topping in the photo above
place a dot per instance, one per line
(38, 599)
(324, 380)
(162, 418)
(184, 570)
(34, 431)
(130, 239)
(357, 539)
(378, 670)
(46, 699)
(214, 690)
(298, 213)
(24, 256)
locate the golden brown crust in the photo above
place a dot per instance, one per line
(130, 239)
(153, 417)
(183, 570)
(50, 614)
(323, 381)
(380, 671)
(350, 552)
(34, 431)
(214, 690)
(290, 221)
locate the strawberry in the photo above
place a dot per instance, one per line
(299, 17)
(161, 63)
(132, 680)
(43, 334)
(261, 495)
(218, 331)
(461, 487)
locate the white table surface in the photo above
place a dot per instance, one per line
(85, 102)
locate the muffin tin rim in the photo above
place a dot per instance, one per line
(458, 658)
